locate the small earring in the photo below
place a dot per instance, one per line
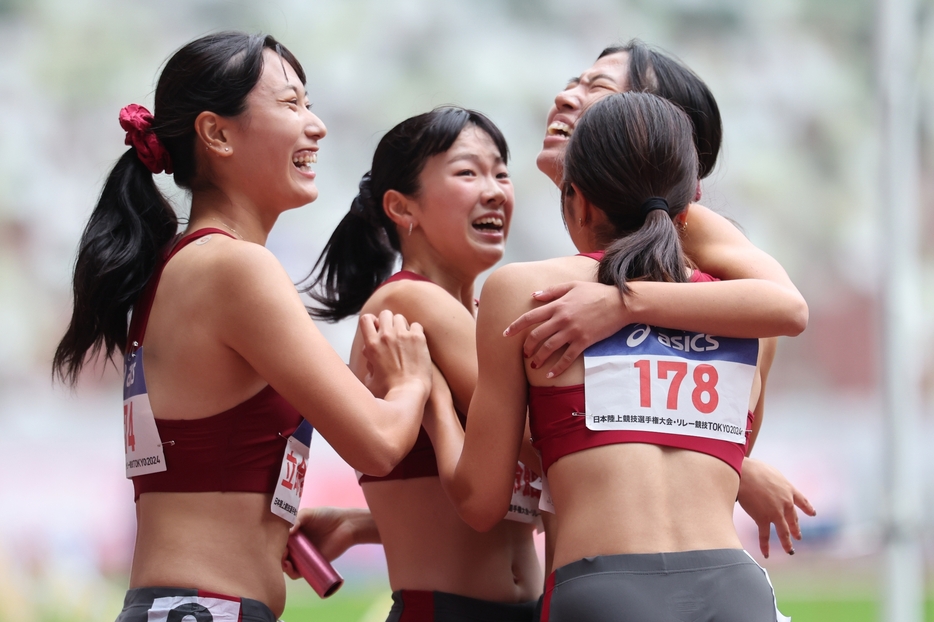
(580, 223)
(410, 227)
(226, 148)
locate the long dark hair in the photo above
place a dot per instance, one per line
(629, 152)
(133, 222)
(363, 249)
(651, 71)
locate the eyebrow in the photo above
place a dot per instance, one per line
(473, 157)
(292, 87)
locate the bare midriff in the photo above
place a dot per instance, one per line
(639, 498)
(428, 547)
(223, 542)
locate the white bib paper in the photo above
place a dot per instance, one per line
(141, 440)
(669, 381)
(526, 491)
(288, 495)
(195, 608)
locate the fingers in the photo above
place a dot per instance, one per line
(765, 531)
(529, 318)
(553, 293)
(289, 569)
(805, 505)
(784, 534)
(570, 355)
(368, 327)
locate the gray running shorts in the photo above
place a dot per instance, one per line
(173, 604)
(718, 585)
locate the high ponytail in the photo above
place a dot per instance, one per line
(363, 249)
(133, 222)
(632, 155)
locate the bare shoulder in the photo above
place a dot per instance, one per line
(508, 290)
(407, 296)
(234, 272)
(535, 275)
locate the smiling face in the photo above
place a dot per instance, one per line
(464, 203)
(607, 76)
(275, 141)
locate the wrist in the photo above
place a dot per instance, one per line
(364, 527)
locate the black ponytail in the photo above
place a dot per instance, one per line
(133, 222)
(359, 255)
(118, 252)
(633, 157)
(362, 251)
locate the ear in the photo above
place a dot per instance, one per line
(681, 220)
(212, 132)
(399, 209)
(586, 212)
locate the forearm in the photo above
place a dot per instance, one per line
(389, 430)
(741, 308)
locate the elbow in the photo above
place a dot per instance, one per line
(383, 458)
(797, 318)
(479, 511)
(478, 519)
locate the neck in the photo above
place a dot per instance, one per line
(459, 285)
(214, 208)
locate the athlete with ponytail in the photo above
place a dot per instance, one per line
(754, 299)
(643, 437)
(439, 196)
(217, 425)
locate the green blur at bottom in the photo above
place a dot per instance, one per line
(372, 605)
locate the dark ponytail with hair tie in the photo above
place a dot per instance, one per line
(133, 222)
(632, 155)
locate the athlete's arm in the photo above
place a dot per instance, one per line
(478, 469)
(769, 498)
(763, 367)
(449, 328)
(264, 321)
(755, 299)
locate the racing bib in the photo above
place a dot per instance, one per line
(194, 608)
(288, 495)
(142, 445)
(652, 379)
(526, 491)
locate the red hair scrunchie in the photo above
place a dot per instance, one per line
(137, 121)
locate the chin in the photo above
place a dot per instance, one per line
(549, 162)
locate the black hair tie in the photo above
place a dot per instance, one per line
(653, 203)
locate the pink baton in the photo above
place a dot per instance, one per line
(311, 564)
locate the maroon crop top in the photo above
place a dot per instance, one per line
(421, 461)
(556, 432)
(238, 450)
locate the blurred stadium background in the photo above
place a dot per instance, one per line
(799, 172)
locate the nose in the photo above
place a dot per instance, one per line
(568, 99)
(315, 127)
(493, 193)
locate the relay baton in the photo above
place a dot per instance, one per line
(311, 564)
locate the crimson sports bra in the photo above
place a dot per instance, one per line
(238, 450)
(421, 461)
(557, 431)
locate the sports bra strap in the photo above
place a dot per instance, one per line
(144, 304)
(596, 255)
